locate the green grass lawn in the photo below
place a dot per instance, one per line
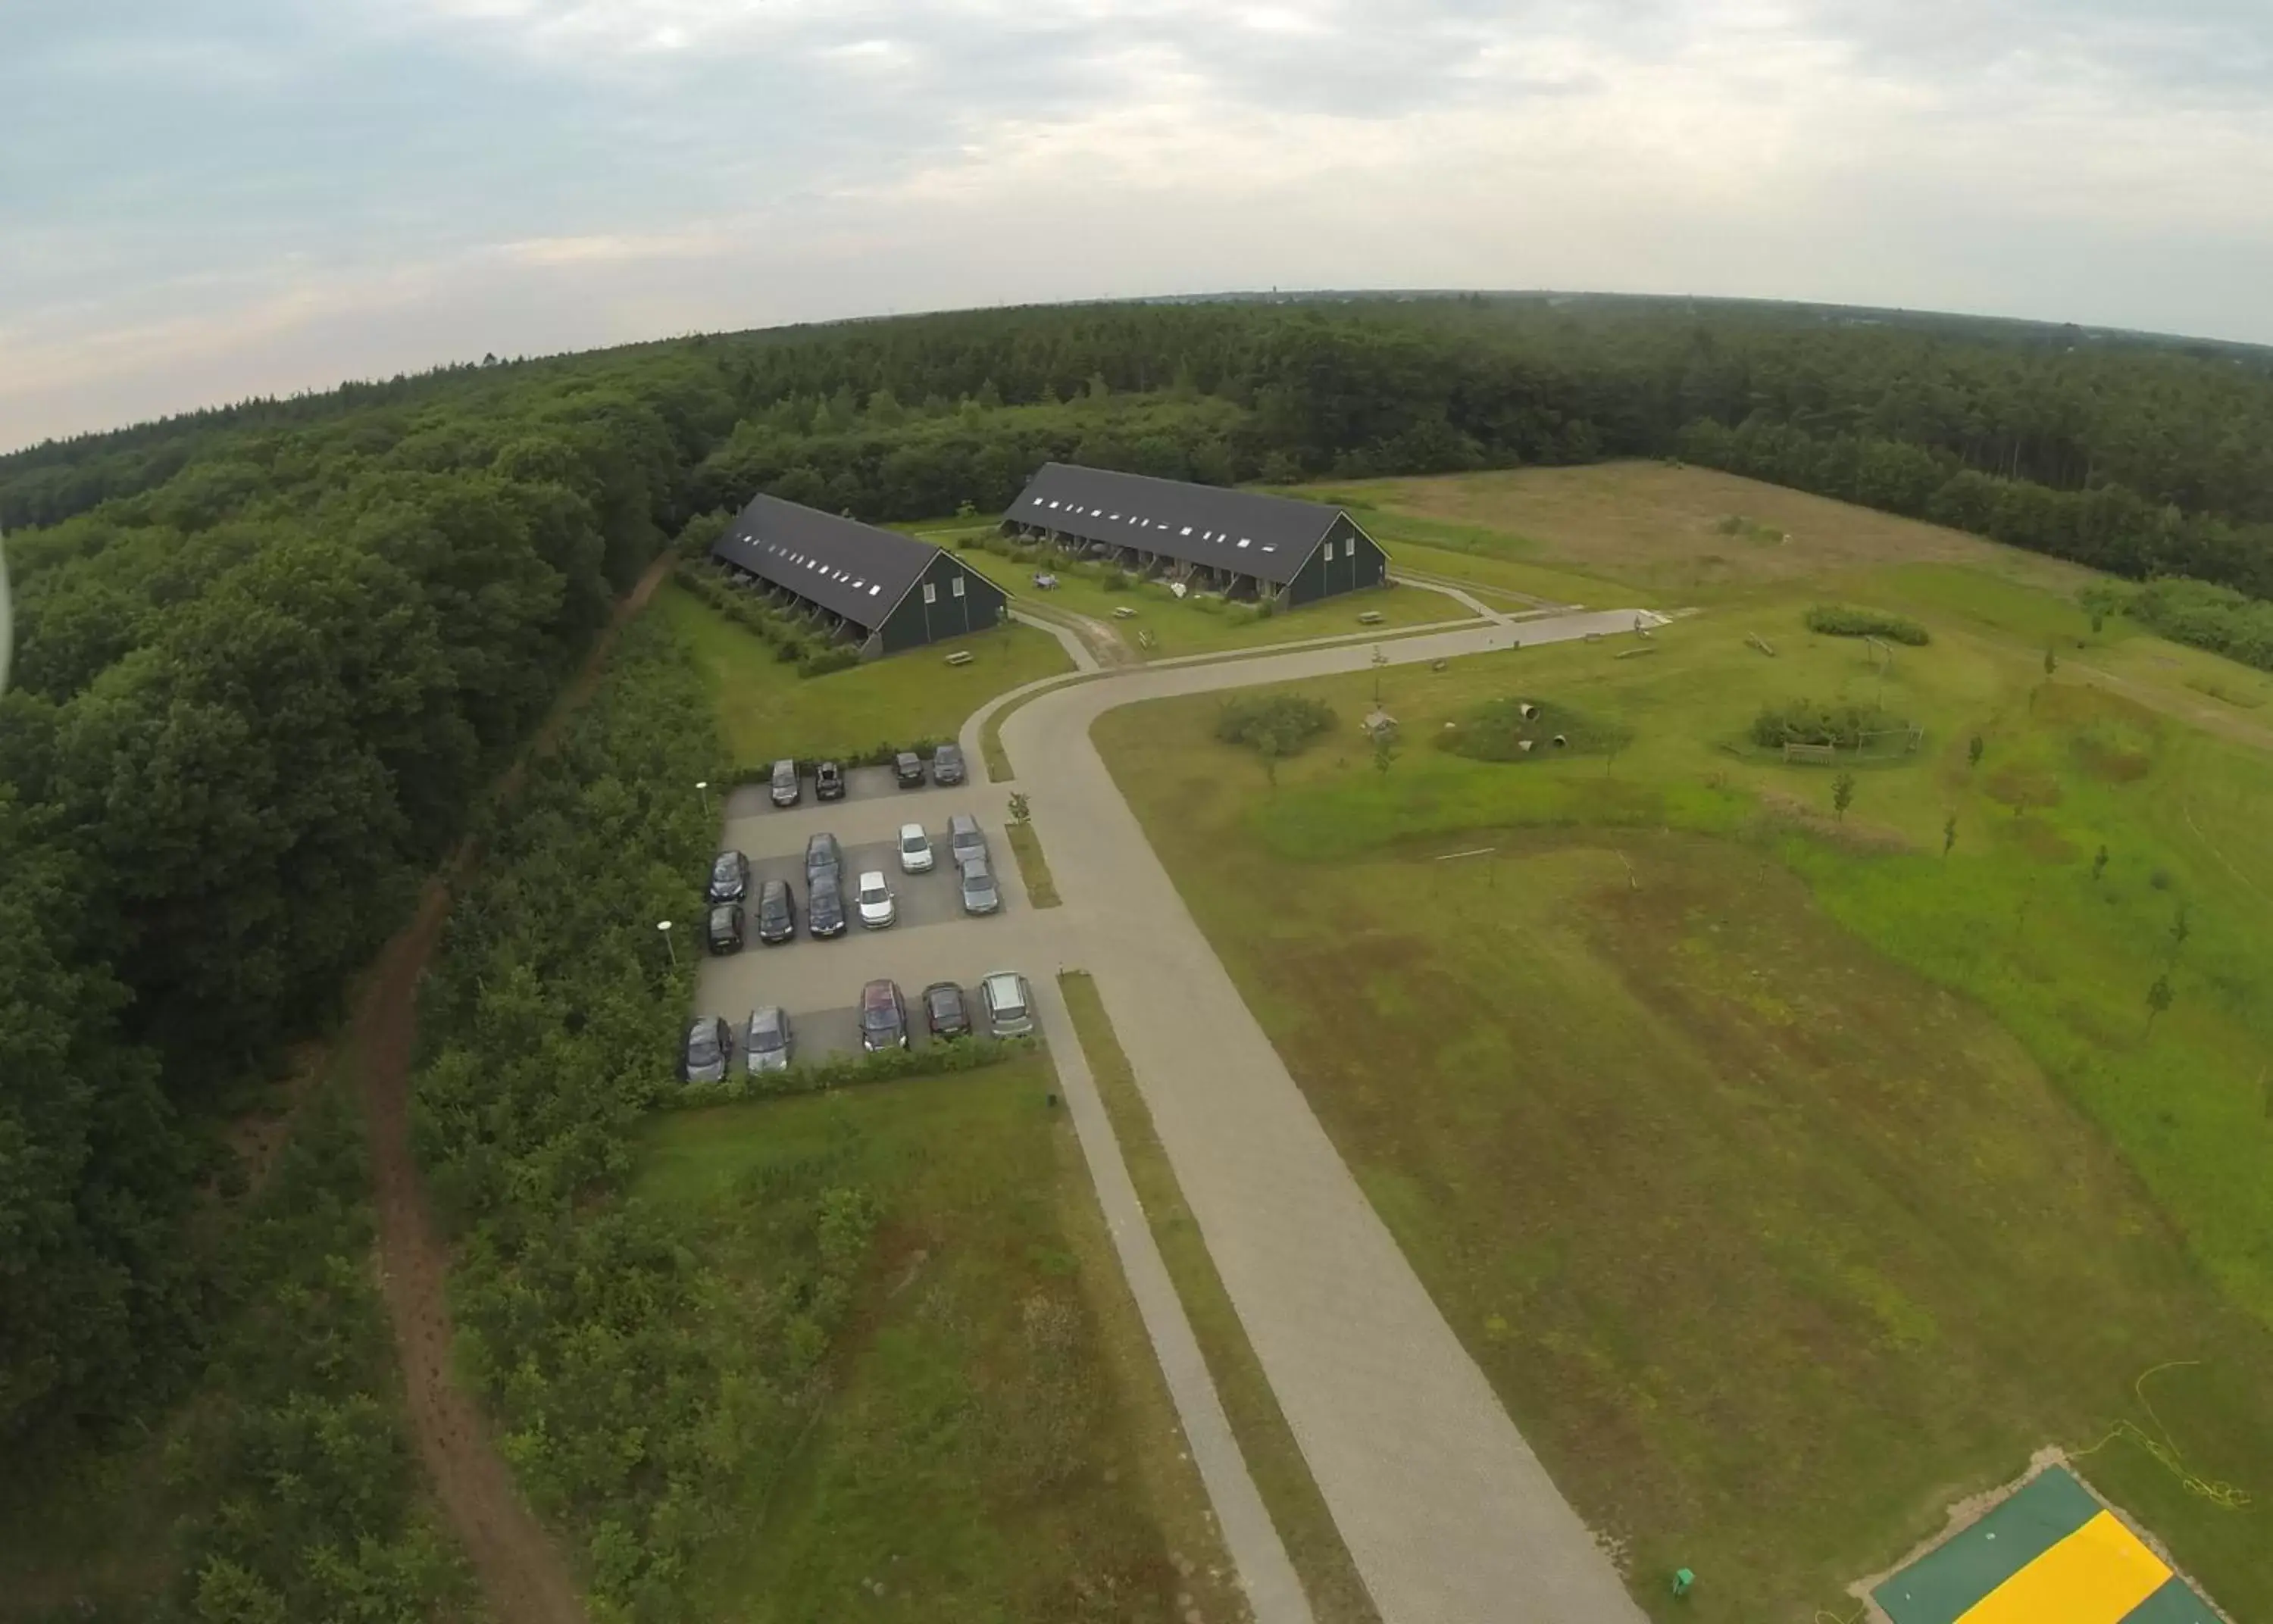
(766, 710)
(996, 1444)
(1207, 625)
(1274, 1459)
(1787, 1177)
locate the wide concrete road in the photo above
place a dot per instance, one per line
(1449, 1515)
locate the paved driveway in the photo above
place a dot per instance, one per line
(1447, 1513)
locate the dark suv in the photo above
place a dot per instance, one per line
(829, 782)
(944, 1010)
(908, 770)
(776, 913)
(726, 934)
(884, 1017)
(947, 765)
(824, 908)
(729, 878)
(824, 861)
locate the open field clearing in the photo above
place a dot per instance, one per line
(995, 1443)
(766, 710)
(1666, 528)
(1788, 1178)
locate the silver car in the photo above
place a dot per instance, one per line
(1009, 1004)
(875, 901)
(979, 895)
(768, 1044)
(965, 839)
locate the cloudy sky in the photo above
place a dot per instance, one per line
(201, 199)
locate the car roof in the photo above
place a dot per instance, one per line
(873, 875)
(907, 755)
(877, 993)
(767, 1018)
(727, 857)
(786, 761)
(822, 839)
(943, 986)
(773, 887)
(723, 910)
(962, 822)
(976, 864)
(946, 750)
(907, 829)
(1006, 982)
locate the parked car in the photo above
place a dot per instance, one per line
(776, 913)
(824, 908)
(908, 770)
(823, 857)
(730, 876)
(981, 896)
(829, 782)
(964, 838)
(947, 765)
(725, 933)
(707, 1051)
(874, 900)
(787, 791)
(767, 1046)
(884, 1017)
(1009, 1004)
(915, 850)
(944, 1010)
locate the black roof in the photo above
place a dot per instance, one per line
(1268, 537)
(849, 568)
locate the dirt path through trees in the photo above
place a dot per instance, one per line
(525, 1578)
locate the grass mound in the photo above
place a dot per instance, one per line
(1527, 730)
(1846, 620)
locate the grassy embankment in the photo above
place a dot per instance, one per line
(997, 1443)
(766, 710)
(1330, 1578)
(1787, 1177)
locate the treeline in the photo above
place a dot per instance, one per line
(635, 1394)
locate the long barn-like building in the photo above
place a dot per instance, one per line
(1236, 542)
(879, 588)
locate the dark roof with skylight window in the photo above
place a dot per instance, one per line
(1267, 537)
(848, 568)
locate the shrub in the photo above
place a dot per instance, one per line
(843, 1071)
(832, 657)
(1846, 620)
(1497, 730)
(1276, 724)
(1805, 721)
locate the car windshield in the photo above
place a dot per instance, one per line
(948, 755)
(872, 891)
(912, 841)
(880, 1017)
(702, 1044)
(775, 903)
(723, 870)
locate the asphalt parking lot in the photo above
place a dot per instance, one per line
(933, 939)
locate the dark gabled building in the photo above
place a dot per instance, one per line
(879, 588)
(1237, 541)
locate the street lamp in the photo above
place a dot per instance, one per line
(702, 788)
(664, 926)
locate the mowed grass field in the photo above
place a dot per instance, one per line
(997, 1445)
(766, 710)
(1787, 1177)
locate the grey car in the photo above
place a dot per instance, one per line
(947, 765)
(707, 1051)
(979, 895)
(823, 857)
(964, 838)
(729, 878)
(768, 1043)
(1009, 1004)
(786, 790)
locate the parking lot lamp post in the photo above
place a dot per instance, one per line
(702, 788)
(664, 926)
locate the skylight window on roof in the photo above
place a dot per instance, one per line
(1245, 542)
(1187, 530)
(873, 591)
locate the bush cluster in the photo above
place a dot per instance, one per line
(1110, 576)
(793, 640)
(870, 755)
(1276, 724)
(1846, 620)
(844, 1070)
(2218, 619)
(1807, 722)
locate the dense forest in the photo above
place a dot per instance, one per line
(267, 655)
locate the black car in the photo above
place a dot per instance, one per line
(908, 769)
(824, 861)
(824, 908)
(944, 1010)
(708, 1051)
(776, 913)
(947, 765)
(786, 790)
(729, 878)
(725, 933)
(884, 1017)
(829, 782)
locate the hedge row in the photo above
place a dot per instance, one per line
(1846, 620)
(873, 755)
(1111, 577)
(791, 641)
(844, 1070)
